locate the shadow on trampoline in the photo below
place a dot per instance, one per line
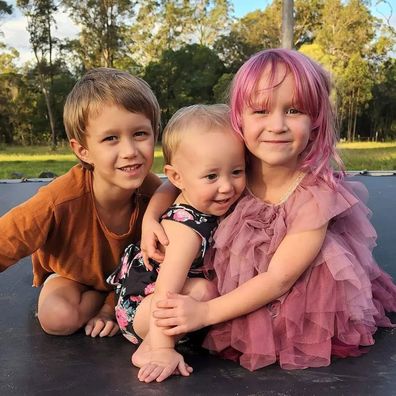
(33, 363)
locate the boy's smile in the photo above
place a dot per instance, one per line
(120, 146)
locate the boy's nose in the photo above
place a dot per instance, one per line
(128, 148)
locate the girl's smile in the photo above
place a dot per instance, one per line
(275, 131)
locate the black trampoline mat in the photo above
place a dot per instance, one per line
(33, 363)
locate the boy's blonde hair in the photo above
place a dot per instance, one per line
(106, 86)
(206, 117)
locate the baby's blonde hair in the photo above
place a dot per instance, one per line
(106, 86)
(206, 117)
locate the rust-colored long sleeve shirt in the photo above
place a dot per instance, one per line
(60, 227)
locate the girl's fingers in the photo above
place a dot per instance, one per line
(167, 322)
(177, 330)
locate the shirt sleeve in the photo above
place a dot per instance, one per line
(25, 228)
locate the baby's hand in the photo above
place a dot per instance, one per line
(163, 363)
(153, 238)
(102, 324)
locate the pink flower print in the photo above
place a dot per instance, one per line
(182, 215)
(122, 317)
(149, 289)
(131, 338)
(124, 268)
(137, 299)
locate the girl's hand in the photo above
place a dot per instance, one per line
(153, 237)
(102, 325)
(163, 363)
(180, 314)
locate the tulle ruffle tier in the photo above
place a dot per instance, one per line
(336, 305)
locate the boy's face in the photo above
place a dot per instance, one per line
(210, 167)
(120, 146)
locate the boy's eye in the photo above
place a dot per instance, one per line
(211, 176)
(141, 134)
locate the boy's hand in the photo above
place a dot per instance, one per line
(103, 324)
(163, 363)
(180, 314)
(153, 237)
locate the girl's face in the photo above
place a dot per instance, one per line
(275, 130)
(209, 169)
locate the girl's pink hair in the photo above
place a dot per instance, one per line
(312, 90)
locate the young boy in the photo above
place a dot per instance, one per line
(77, 227)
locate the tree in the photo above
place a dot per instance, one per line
(40, 18)
(170, 24)
(103, 24)
(287, 23)
(184, 77)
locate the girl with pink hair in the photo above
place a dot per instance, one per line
(293, 261)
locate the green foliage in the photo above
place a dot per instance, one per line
(101, 40)
(189, 50)
(184, 77)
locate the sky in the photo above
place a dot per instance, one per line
(15, 35)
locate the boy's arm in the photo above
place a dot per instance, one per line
(286, 266)
(24, 229)
(152, 231)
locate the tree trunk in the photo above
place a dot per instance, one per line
(287, 24)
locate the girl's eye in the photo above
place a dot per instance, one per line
(293, 111)
(211, 177)
(260, 111)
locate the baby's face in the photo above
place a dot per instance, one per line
(211, 165)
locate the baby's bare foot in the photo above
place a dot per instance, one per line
(142, 355)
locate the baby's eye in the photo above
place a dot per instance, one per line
(211, 176)
(109, 138)
(238, 172)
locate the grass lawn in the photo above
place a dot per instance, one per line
(17, 162)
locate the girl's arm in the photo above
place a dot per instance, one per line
(152, 231)
(184, 244)
(293, 256)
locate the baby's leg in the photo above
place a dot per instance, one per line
(65, 306)
(200, 289)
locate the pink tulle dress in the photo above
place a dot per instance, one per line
(335, 306)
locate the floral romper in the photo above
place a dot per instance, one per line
(133, 281)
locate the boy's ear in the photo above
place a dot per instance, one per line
(80, 151)
(173, 176)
